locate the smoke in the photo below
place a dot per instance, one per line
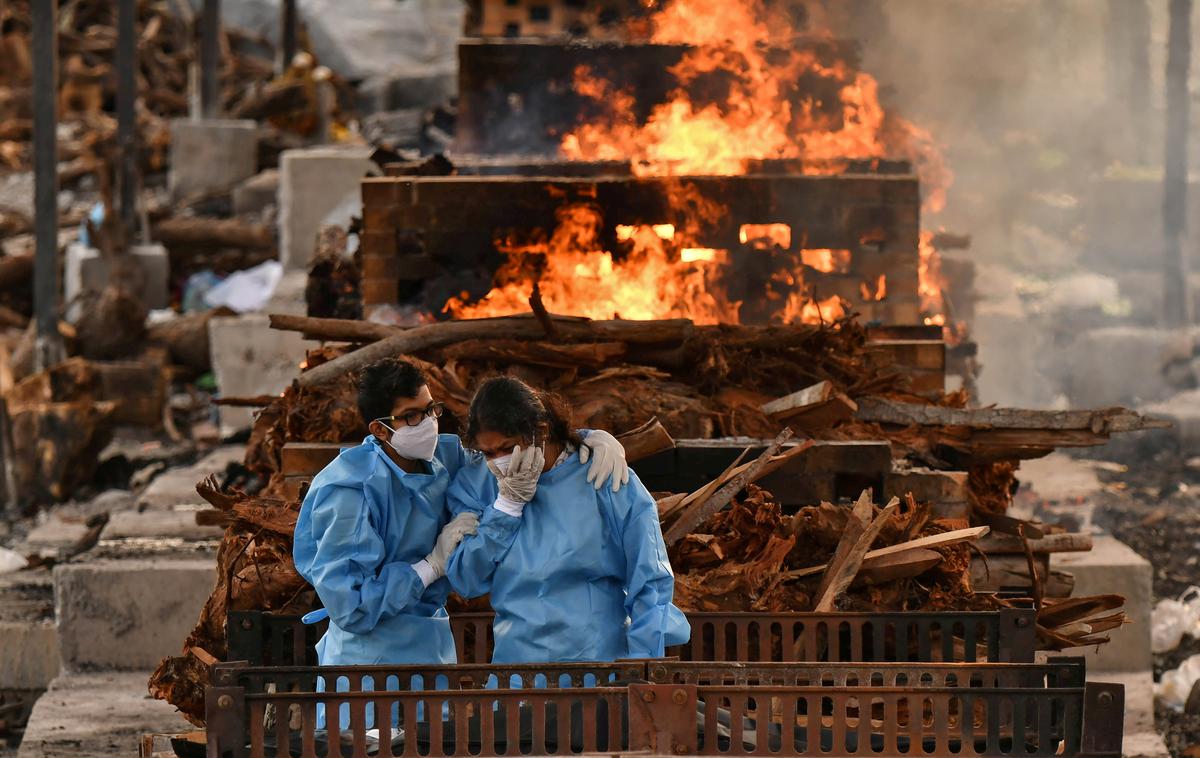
(1050, 115)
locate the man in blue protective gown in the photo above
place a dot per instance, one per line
(375, 534)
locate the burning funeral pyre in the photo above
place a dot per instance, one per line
(728, 271)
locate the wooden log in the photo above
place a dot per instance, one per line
(646, 440)
(16, 271)
(186, 338)
(516, 327)
(214, 233)
(1102, 422)
(334, 329)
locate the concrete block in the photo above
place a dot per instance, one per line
(128, 614)
(313, 183)
(29, 658)
(1009, 352)
(249, 358)
(88, 271)
(1141, 739)
(1112, 567)
(1118, 365)
(95, 715)
(256, 194)
(211, 156)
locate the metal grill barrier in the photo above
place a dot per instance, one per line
(999, 636)
(665, 707)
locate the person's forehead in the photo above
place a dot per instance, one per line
(422, 399)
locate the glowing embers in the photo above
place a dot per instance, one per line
(826, 261)
(766, 236)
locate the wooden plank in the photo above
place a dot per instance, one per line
(817, 407)
(1003, 544)
(845, 566)
(1100, 422)
(308, 458)
(903, 565)
(934, 540)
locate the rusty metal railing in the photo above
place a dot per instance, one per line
(999, 636)
(667, 707)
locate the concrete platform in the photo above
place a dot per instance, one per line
(1112, 567)
(94, 715)
(128, 614)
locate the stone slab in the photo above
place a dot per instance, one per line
(29, 658)
(313, 183)
(177, 486)
(250, 358)
(94, 715)
(127, 614)
(1112, 567)
(256, 194)
(157, 524)
(211, 155)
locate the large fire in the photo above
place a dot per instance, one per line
(743, 93)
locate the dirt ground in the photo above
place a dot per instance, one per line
(1154, 507)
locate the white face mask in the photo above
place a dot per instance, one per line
(502, 462)
(417, 443)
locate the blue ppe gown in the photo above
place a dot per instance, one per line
(363, 524)
(581, 576)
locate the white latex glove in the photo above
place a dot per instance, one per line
(608, 460)
(452, 534)
(519, 483)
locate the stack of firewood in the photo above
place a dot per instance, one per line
(731, 544)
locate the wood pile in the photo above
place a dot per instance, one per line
(733, 546)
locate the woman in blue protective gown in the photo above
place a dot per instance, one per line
(575, 573)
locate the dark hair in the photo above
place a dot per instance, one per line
(511, 407)
(381, 384)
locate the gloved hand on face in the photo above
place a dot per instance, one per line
(608, 460)
(451, 534)
(517, 474)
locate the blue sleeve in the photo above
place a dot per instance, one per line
(474, 562)
(655, 622)
(340, 552)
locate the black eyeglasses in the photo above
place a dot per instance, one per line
(412, 418)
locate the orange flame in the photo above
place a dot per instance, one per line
(762, 114)
(825, 260)
(765, 236)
